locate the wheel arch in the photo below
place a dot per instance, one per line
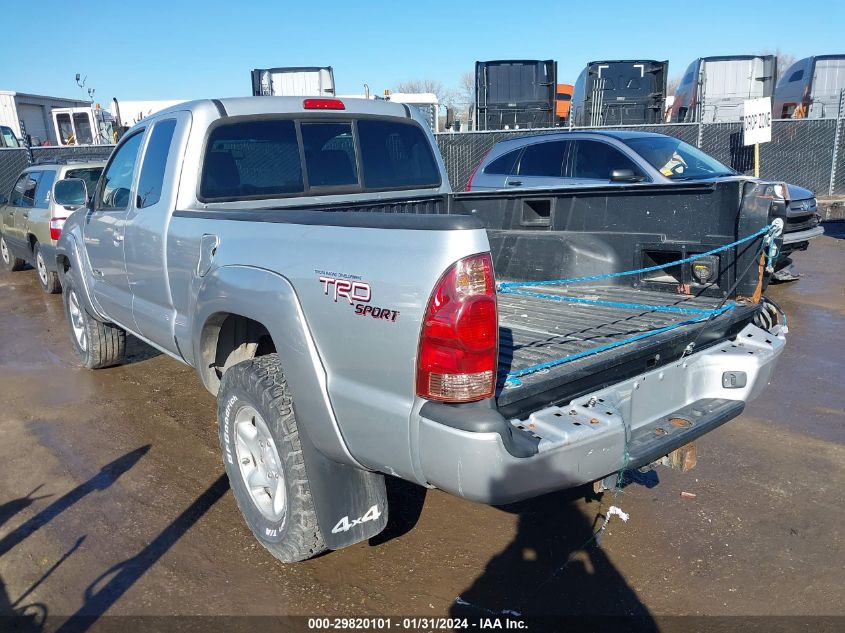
(243, 312)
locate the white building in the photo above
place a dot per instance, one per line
(34, 113)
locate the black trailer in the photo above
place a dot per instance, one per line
(515, 94)
(620, 92)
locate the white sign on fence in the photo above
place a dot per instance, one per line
(757, 121)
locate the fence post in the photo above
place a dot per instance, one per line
(836, 142)
(700, 134)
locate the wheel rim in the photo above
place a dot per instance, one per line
(77, 323)
(4, 251)
(259, 464)
(42, 269)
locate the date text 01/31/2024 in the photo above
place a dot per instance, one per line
(416, 623)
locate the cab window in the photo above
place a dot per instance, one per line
(151, 179)
(116, 183)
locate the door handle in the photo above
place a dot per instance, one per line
(118, 240)
(514, 183)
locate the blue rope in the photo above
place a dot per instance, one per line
(513, 378)
(554, 282)
(704, 314)
(615, 304)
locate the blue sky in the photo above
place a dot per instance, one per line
(156, 49)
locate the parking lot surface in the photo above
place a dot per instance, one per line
(113, 500)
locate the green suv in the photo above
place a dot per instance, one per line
(30, 222)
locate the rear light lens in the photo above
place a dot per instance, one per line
(323, 104)
(458, 353)
(56, 226)
(477, 167)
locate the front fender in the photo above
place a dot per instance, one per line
(270, 299)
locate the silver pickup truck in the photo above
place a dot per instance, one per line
(307, 257)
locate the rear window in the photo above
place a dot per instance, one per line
(251, 159)
(90, 175)
(329, 154)
(261, 159)
(396, 156)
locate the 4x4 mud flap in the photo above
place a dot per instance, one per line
(351, 503)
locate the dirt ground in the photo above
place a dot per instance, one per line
(113, 501)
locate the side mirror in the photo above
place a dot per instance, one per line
(450, 118)
(70, 192)
(624, 175)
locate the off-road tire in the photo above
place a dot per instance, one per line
(260, 384)
(48, 279)
(104, 343)
(9, 261)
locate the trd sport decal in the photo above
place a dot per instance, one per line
(357, 293)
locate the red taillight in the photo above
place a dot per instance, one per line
(475, 171)
(56, 225)
(458, 353)
(323, 104)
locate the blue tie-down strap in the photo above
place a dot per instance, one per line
(700, 314)
(513, 378)
(770, 231)
(675, 309)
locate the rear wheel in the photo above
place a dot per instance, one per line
(10, 262)
(49, 279)
(263, 459)
(97, 344)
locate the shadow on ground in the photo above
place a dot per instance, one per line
(554, 567)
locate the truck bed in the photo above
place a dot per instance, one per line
(534, 331)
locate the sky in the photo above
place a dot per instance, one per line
(184, 49)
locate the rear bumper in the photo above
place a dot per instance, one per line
(649, 415)
(802, 236)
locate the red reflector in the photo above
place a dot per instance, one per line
(323, 104)
(458, 353)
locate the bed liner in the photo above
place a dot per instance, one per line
(534, 331)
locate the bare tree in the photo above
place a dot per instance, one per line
(422, 85)
(672, 85)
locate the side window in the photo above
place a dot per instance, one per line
(596, 160)
(65, 129)
(23, 194)
(42, 193)
(543, 159)
(9, 139)
(155, 161)
(798, 75)
(116, 185)
(503, 166)
(83, 128)
(329, 154)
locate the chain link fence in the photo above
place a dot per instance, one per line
(807, 152)
(14, 160)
